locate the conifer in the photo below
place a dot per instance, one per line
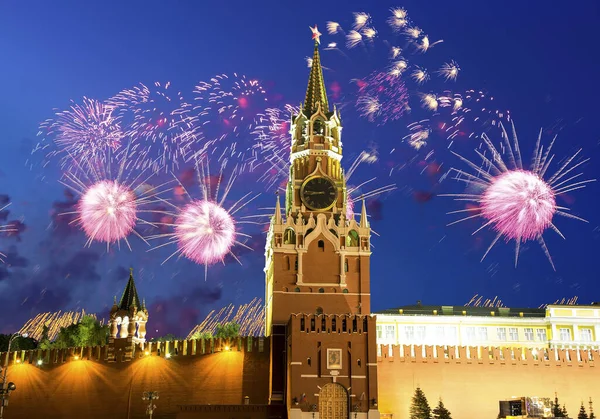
(419, 408)
(440, 412)
(582, 414)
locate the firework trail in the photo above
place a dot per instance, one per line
(518, 204)
(110, 205)
(226, 108)
(250, 317)
(563, 301)
(204, 230)
(382, 97)
(479, 301)
(54, 321)
(158, 122)
(7, 228)
(87, 131)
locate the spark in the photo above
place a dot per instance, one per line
(419, 134)
(382, 97)
(333, 28)
(413, 32)
(449, 71)
(369, 33)
(55, 321)
(398, 19)
(430, 101)
(420, 75)
(353, 39)
(250, 317)
(395, 52)
(518, 204)
(361, 19)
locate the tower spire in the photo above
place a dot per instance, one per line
(277, 215)
(130, 296)
(363, 215)
(316, 92)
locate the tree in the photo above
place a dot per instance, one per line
(169, 337)
(202, 335)
(557, 412)
(227, 331)
(19, 343)
(582, 414)
(45, 342)
(564, 412)
(419, 408)
(592, 415)
(88, 332)
(440, 412)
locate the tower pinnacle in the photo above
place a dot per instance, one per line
(316, 92)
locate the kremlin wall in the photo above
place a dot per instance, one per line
(215, 379)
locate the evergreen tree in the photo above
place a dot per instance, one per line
(88, 332)
(564, 412)
(582, 414)
(592, 415)
(556, 410)
(419, 408)
(440, 412)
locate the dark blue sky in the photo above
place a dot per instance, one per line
(539, 61)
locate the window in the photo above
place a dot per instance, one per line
(261, 344)
(296, 265)
(321, 245)
(390, 332)
(585, 335)
(289, 236)
(501, 333)
(482, 334)
(565, 334)
(513, 333)
(421, 333)
(352, 239)
(345, 266)
(379, 331)
(439, 332)
(541, 335)
(470, 334)
(409, 332)
(528, 333)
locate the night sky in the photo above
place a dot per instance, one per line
(539, 61)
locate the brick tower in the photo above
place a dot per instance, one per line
(317, 301)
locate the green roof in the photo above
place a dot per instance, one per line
(130, 295)
(425, 310)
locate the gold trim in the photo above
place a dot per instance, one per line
(308, 179)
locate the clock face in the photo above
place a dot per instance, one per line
(318, 193)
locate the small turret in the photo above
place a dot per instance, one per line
(364, 222)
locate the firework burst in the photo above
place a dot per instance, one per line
(109, 206)
(382, 98)
(518, 204)
(204, 230)
(159, 123)
(250, 317)
(87, 130)
(8, 228)
(227, 107)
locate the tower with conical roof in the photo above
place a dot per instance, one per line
(127, 322)
(317, 285)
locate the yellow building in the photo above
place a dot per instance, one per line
(557, 326)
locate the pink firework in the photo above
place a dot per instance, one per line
(382, 97)
(205, 232)
(108, 211)
(85, 130)
(518, 204)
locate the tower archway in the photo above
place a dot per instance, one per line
(333, 402)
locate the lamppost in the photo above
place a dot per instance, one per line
(150, 396)
(7, 388)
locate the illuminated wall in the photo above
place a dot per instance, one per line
(81, 383)
(472, 380)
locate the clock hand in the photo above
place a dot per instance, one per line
(314, 193)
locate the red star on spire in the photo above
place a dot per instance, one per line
(316, 34)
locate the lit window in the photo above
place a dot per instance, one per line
(439, 332)
(513, 333)
(379, 332)
(501, 331)
(470, 333)
(482, 334)
(528, 333)
(586, 335)
(421, 333)
(409, 332)
(390, 332)
(565, 334)
(541, 335)
(261, 345)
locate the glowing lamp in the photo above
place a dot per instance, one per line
(168, 355)
(146, 353)
(18, 361)
(227, 347)
(40, 362)
(76, 357)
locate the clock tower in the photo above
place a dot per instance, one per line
(317, 255)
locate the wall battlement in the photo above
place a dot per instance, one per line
(487, 355)
(189, 347)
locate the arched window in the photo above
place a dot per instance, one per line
(345, 291)
(319, 310)
(297, 289)
(286, 263)
(296, 265)
(321, 290)
(352, 239)
(346, 266)
(321, 245)
(289, 236)
(318, 127)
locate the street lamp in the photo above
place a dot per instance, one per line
(7, 387)
(149, 396)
